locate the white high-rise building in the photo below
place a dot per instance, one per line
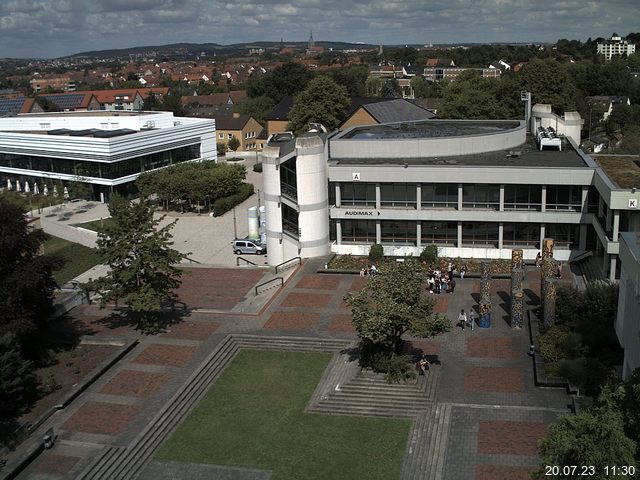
(615, 46)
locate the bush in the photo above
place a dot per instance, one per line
(258, 167)
(223, 205)
(221, 148)
(381, 359)
(551, 342)
(376, 253)
(429, 255)
(589, 374)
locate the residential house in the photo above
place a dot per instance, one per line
(243, 127)
(606, 103)
(213, 105)
(41, 84)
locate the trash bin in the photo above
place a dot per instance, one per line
(485, 320)
(48, 439)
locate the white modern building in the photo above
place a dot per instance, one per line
(615, 47)
(476, 189)
(107, 150)
(628, 319)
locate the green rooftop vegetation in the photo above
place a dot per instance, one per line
(623, 171)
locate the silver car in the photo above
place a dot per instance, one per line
(245, 245)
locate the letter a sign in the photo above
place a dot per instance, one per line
(355, 177)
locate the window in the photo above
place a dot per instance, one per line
(398, 195)
(480, 233)
(230, 136)
(521, 235)
(358, 194)
(522, 197)
(564, 235)
(564, 197)
(288, 179)
(439, 195)
(359, 231)
(290, 221)
(439, 233)
(221, 136)
(398, 232)
(481, 196)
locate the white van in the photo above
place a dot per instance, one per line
(246, 245)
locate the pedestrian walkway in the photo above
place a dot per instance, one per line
(477, 414)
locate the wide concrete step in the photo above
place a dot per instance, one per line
(367, 411)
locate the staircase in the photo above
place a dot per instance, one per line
(591, 269)
(369, 394)
(425, 455)
(118, 463)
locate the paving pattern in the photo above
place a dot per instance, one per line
(477, 414)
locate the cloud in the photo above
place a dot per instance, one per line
(41, 28)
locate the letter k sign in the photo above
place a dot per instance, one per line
(633, 203)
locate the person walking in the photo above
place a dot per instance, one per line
(462, 319)
(473, 318)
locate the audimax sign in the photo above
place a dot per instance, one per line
(360, 213)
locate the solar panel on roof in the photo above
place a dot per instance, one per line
(83, 133)
(113, 133)
(11, 105)
(66, 101)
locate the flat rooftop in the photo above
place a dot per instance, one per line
(90, 113)
(429, 129)
(623, 171)
(525, 155)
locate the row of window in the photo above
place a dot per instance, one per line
(445, 195)
(404, 232)
(113, 170)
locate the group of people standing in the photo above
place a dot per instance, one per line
(443, 280)
(367, 272)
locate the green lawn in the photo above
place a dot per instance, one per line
(94, 224)
(78, 258)
(253, 416)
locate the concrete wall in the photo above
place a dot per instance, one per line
(428, 147)
(628, 321)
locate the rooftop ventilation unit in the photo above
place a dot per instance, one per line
(547, 137)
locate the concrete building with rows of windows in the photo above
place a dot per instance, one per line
(477, 189)
(107, 150)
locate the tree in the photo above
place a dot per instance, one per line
(353, 78)
(549, 82)
(233, 144)
(221, 148)
(142, 264)
(284, 80)
(26, 280)
(257, 107)
(392, 304)
(323, 101)
(17, 381)
(593, 437)
(471, 97)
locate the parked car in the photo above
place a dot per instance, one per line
(246, 245)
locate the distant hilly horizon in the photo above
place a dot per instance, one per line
(213, 49)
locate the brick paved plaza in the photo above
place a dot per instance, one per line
(497, 415)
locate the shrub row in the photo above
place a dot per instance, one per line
(224, 204)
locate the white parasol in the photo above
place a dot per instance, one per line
(9, 186)
(55, 190)
(18, 189)
(65, 194)
(45, 192)
(36, 190)
(27, 188)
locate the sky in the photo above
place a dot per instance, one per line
(54, 28)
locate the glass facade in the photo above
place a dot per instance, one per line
(439, 195)
(359, 231)
(521, 235)
(398, 232)
(564, 236)
(564, 197)
(112, 170)
(481, 196)
(523, 197)
(398, 195)
(480, 233)
(440, 233)
(358, 194)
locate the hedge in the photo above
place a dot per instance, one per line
(223, 205)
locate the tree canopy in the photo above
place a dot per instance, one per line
(142, 264)
(17, 381)
(323, 101)
(284, 80)
(394, 303)
(26, 280)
